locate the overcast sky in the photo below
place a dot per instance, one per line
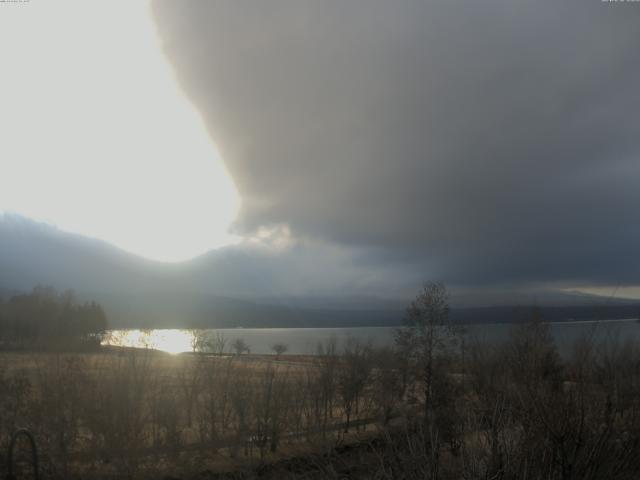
(492, 142)
(354, 146)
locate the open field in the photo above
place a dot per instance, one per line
(131, 412)
(514, 410)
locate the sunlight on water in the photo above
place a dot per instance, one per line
(170, 340)
(304, 341)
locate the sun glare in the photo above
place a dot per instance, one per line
(169, 340)
(97, 136)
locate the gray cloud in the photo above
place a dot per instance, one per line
(477, 142)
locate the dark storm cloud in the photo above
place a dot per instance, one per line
(492, 141)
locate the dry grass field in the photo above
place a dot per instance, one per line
(128, 412)
(471, 411)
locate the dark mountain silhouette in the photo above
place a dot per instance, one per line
(140, 292)
(222, 289)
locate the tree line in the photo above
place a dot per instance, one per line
(45, 317)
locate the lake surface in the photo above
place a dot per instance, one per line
(305, 340)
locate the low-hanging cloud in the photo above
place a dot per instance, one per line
(480, 142)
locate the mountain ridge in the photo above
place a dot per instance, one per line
(218, 288)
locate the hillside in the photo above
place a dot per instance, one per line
(220, 289)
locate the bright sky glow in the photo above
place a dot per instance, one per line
(96, 136)
(612, 292)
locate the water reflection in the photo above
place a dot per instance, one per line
(303, 341)
(166, 340)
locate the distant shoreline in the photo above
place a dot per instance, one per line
(397, 325)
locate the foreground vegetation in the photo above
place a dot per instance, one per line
(437, 405)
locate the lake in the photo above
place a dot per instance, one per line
(303, 341)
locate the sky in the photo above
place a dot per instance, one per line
(97, 136)
(490, 143)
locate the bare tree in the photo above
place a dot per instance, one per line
(327, 363)
(279, 348)
(215, 407)
(388, 389)
(216, 343)
(189, 375)
(242, 403)
(208, 342)
(240, 346)
(198, 340)
(117, 410)
(270, 400)
(353, 376)
(426, 333)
